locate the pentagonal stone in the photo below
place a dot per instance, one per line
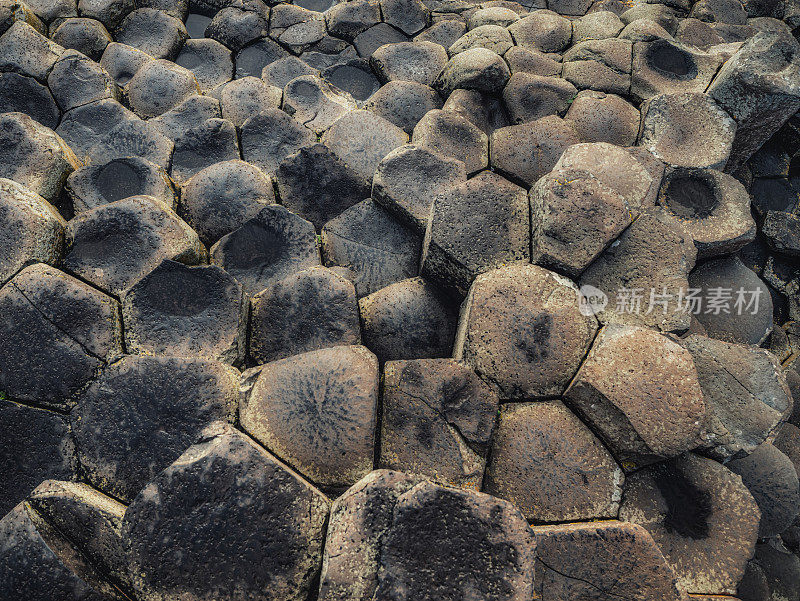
(115, 244)
(122, 61)
(316, 184)
(772, 479)
(475, 69)
(584, 561)
(601, 117)
(574, 217)
(633, 382)
(528, 60)
(87, 36)
(492, 37)
(38, 445)
(85, 125)
(13, 12)
(282, 71)
(246, 97)
(701, 516)
(318, 412)
(403, 103)
(665, 67)
(212, 141)
(237, 521)
(361, 139)
(452, 135)
(142, 412)
(528, 151)
(542, 30)
(410, 319)
(34, 155)
(25, 51)
(748, 319)
(235, 26)
(76, 80)
(408, 178)
(38, 563)
(409, 16)
(32, 230)
(409, 61)
(152, 31)
(296, 27)
(135, 138)
(437, 420)
(184, 311)
(270, 136)
(354, 77)
(108, 12)
(315, 103)
(603, 65)
(251, 60)
(597, 25)
(551, 466)
(494, 15)
(443, 33)
(159, 86)
(687, 130)
(96, 185)
(376, 36)
(177, 120)
(306, 311)
(492, 557)
(484, 111)
(531, 97)
(544, 336)
(210, 61)
(346, 20)
(645, 286)
(221, 197)
(22, 94)
(57, 333)
(746, 393)
(267, 248)
(486, 207)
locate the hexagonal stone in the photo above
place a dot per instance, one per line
(306, 311)
(551, 466)
(601, 117)
(133, 138)
(530, 97)
(318, 412)
(408, 178)
(317, 185)
(38, 445)
(474, 69)
(238, 523)
(246, 97)
(75, 79)
(34, 155)
(143, 412)
(746, 393)
(437, 420)
(115, 244)
(451, 134)
(21, 94)
(57, 333)
(493, 37)
(487, 207)
(409, 61)
(522, 331)
(85, 125)
(210, 142)
(687, 130)
(595, 561)
(210, 61)
(296, 27)
(376, 36)
(632, 384)
(271, 136)
(411, 319)
(122, 61)
(528, 60)
(186, 311)
(782, 232)
(315, 103)
(542, 30)
(443, 33)
(603, 65)
(267, 248)
(484, 111)
(158, 86)
(403, 103)
(27, 52)
(574, 218)
(32, 229)
(283, 71)
(409, 16)
(152, 31)
(95, 185)
(651, 259)
(177, 120)
(701, 516)
(347, 20)
(663, 66)
(236, 26)
(370, 243)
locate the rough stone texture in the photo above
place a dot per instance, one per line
(662, 66)
(316, 104)
(544, 336)
(270, 136)
(551, 466)
(474, 69)
(454, 136)
(640, 392)
(600, 117)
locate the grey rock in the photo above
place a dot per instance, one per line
(76, 80)
(601, 117)
(132, 138)
(210, 61)
(409, 61)
(159, 86)
(542, 30)
(152, 31)
(82, 127)
(665, 67)
(122, 61)
(603, 65)
(316, 104)
(452, 135)
(475, 69)
(212, 141)
(270, 137)
(251, 60)
(25, 51)
(531, 97)
(22, 94)
(403, 103)
(87, 36)
(246, 97)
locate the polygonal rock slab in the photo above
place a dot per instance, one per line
(521, 330)
(551, 466)
(32, 229)
(246, 97)
(574, 217)
(270, 136)
(212, 141)
(55, 334)
(318, 412)
(701, 516)
(132, 138)
(115, 244)
(409, 61)
(437, 421)
(37, 446)
(664, 66)
(76, 79)
(158, 86)
(27, 52)
(488, 208)
(600, 117)
(237, 523)
(21, 94)
(315, 103)
(451, 134)
(82, 127)
(143, 412)
(598, 561)
(603, 65)
(185, 311)
(268, 247)
(530, 97)
(305, 311)
(746, 393)
(474, 69)
(640, 392)
(34, 155)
